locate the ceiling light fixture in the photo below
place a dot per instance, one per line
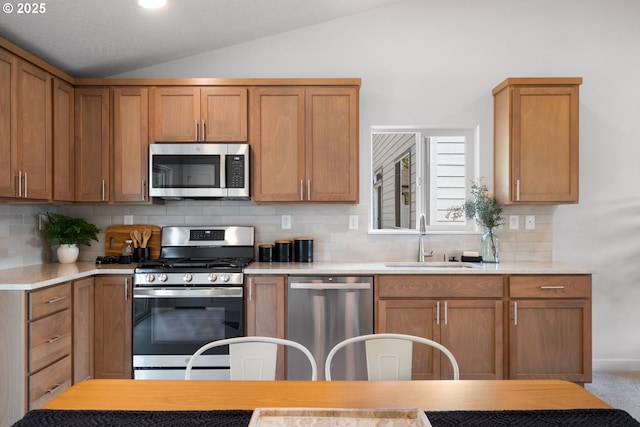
(152, 4)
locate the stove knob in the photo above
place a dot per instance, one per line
(225, 277)
(213, 277)
(163, 277)
(188, 277)
(150, 277)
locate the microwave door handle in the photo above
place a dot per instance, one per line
(223, 171)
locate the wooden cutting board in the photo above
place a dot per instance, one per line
(116, 235)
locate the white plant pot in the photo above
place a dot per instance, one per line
(68, 254)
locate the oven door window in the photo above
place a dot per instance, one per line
(186, 171)
(170, 326)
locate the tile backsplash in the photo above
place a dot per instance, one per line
(22, 244)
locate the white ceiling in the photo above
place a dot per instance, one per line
(100, 38)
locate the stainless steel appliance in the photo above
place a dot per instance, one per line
(323, 311)
(199, 170)
(193, 294)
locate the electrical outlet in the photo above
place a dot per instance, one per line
(530, 222)
(128, 219)
(353, 222)
(514, 222)
(286, 222)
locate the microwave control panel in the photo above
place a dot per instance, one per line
(235, 170)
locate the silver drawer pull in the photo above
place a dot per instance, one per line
(54, 389)
(51, 301)
(54, 339)
(552, 287)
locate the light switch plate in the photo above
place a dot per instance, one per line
(286, 222)
(514, 222)
(353, 222)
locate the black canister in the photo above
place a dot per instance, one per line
(283, 250)
(265, 252)
(303, 249)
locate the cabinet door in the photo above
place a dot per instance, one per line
(536, 141)
(63, 147)
(472, 330)
(92, 144)
(414, 317)
(8, 181)
(33, 131)
(332, 146)
(83, 326)
(550, 339)
(113, 327)
(175, 114)
(224, 114)
(277, 140)
(265, 305)
(130, 144)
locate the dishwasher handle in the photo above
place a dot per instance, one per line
(320, 286)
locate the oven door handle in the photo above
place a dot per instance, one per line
(218, 292)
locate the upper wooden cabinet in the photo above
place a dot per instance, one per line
(130, 144)
(25, 130)
(63, 143)
(206, 114)
(92, 144)
(305, 144)
(536, 140)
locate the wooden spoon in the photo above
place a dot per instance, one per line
(146, 235)
(133, 239)
(137, 237)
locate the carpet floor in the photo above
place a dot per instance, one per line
(619, 389)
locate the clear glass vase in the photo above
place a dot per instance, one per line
(490, 247)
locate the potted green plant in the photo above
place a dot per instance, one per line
(487, 213)
(68, 232)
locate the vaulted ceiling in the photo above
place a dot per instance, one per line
(100, 38)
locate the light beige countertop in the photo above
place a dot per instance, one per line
(32, 277)
(369, 268)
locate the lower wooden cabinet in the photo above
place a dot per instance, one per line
(83, 327)
(266, 311)
(550, 327)
(113, 327)
(463, 313)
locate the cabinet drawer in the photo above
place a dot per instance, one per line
(436, 286)
(49, 383)
(49, 300)
(49, 339)
(561, 286)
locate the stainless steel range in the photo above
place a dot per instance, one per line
(191, 295)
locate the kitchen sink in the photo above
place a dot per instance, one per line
(429, 265)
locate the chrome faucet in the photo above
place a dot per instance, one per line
(423, 232)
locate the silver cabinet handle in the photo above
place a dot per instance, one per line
(250, 291)
(517, 190)
(552, 287)
(438, 313)
(54, 388)
(204, 134)
(446, 313)
(54, 339)
(301, 191)
(515, 313)
(103, 189)
(19, 183)
(54, 300)
(25, 184)
(308, 189)
(126, 289)
(196, 130)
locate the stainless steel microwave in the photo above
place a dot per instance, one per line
(200, 170)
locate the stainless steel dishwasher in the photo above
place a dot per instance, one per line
(321, 312)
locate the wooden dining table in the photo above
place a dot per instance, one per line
(176, 395)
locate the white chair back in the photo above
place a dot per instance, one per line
(253, 358)
(389, 356)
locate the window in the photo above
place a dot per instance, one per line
(421, 171)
